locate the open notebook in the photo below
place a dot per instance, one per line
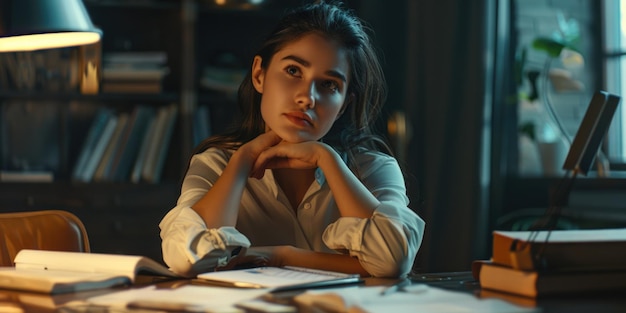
(61, 271)
(278, 278)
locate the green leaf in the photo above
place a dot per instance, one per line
(549, 45)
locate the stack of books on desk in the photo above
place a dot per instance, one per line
(543, 263)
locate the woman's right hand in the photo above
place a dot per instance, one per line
(252, 149)
(220, 204)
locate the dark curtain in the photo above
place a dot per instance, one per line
(445, 65)
(448, 100)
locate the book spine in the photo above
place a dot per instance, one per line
(95, 132)
(88, 171)
(135, 176)
(130, 148)
(165, 142)
(104, 164)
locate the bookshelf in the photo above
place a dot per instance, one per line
(46, 118)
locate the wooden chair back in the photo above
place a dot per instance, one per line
(44, 230)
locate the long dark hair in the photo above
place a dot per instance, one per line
(366, 90)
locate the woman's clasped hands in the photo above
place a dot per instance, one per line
(273, 153)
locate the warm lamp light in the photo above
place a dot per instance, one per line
(27, 25)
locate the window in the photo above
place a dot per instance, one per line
(615, 68)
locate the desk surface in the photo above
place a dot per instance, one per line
(18, 302)
(607, 302)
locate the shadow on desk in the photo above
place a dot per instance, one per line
(458, 281)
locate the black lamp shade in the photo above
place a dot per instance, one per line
(27, 25)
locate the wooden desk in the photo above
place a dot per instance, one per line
(607, 302)
(18, 302)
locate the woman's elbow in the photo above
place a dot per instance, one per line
(394, 256)
(389, 268)
(175, 258)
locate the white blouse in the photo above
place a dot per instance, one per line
(385, 244)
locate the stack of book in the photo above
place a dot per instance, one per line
(134, 72)
(543, 263)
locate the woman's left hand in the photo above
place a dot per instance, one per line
(259, 256)
(303, 155)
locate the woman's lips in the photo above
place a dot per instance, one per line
(299, 118)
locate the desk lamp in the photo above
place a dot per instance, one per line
(28, 25)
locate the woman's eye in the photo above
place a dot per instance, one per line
(330, 85)
(292, 70)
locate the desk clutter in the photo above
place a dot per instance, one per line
(185, 296)
(68, 282)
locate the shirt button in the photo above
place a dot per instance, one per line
(307, 206)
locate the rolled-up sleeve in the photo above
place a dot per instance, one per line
(386, 243)
(190, 248)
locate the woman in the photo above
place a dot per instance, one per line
(302, 181)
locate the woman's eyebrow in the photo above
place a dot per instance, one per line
(306, 63)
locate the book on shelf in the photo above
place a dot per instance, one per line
(26, 176)
(134, 73)
(87, 172)
(132, 87)
(531, 283)
(107, 157)
(580, 249)
(158, 147)
(201, 124)
(134, 57)
(278, 278)
(147, 166)
(98, 126)
(130, 142)
(135, 175)
(163, 146)
(61, 271)
(226, 80)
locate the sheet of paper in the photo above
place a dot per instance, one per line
(425, 299)
(274, 277)
(188, 298)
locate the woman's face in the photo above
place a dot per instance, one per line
(303, 88)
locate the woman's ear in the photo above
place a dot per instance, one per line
(258, 74)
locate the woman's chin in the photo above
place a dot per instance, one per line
(294, 138)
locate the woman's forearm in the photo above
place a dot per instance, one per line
(323, 261)
(220, 205)
(352, 197)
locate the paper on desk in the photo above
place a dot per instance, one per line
(427, 299)
(187, 298)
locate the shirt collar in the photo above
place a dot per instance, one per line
(320, 179)
(319, 176)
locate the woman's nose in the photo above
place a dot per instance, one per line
(306, 95)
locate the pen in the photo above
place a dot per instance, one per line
(395, 287)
